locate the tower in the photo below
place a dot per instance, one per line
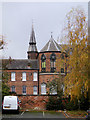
(32, 50)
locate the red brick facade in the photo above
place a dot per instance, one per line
(34, 65)
(30, 101)
(29, 83)
(33, 102)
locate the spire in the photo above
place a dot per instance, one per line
(51, 34)
(32, 37)
(32, 43)
(32, 50)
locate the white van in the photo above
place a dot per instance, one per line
(10, 103)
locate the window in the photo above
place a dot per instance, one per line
(43, 63)
(13, 88)
(13, 76)
(35, 90)
(35, 76)
(43, 88)
(62, 70)
(63, 88)
(53, 90)
(24, 90)
(23, 76)
(52, 62)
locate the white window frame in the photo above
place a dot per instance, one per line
(24, 90)
(24, 76)
(34, 91)
(43, 89)
(13, 75)
(35, 76)
(63, 88)
(12, 88)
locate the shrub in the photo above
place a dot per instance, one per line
(70, 104)
(54, 103)
(84, 103)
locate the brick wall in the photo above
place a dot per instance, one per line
(29, 101)
(46, 78)
(33, 102)
(59, 62)
(29, 83)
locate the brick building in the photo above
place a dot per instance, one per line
(29, 77)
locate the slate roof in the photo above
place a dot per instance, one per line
(52, 45)
(32, 37)
(23, 64)
(32, 43)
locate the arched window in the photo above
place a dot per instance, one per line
(52, 62)
(24, 90)
(43, 63)
(43, 88)
(13, 88)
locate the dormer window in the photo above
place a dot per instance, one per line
(43, 63)
(52, 62)
(29, 66)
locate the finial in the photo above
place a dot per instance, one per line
(51, 34)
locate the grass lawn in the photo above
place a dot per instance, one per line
(77, 113)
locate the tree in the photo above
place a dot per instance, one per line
(2, 43)
(76, 35)
(5, 87)
(56, 86)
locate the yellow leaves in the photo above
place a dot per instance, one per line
(87, 85)
(76, 32)
(2, 43)
(84, 18)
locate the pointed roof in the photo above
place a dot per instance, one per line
(32, 43)
(32, 37)
(51, 45)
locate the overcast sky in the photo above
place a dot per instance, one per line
(47, 18)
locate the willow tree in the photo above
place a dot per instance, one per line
(76, 36)
(2, 42)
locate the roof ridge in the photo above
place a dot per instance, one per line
(51, 45)
(56, 45)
